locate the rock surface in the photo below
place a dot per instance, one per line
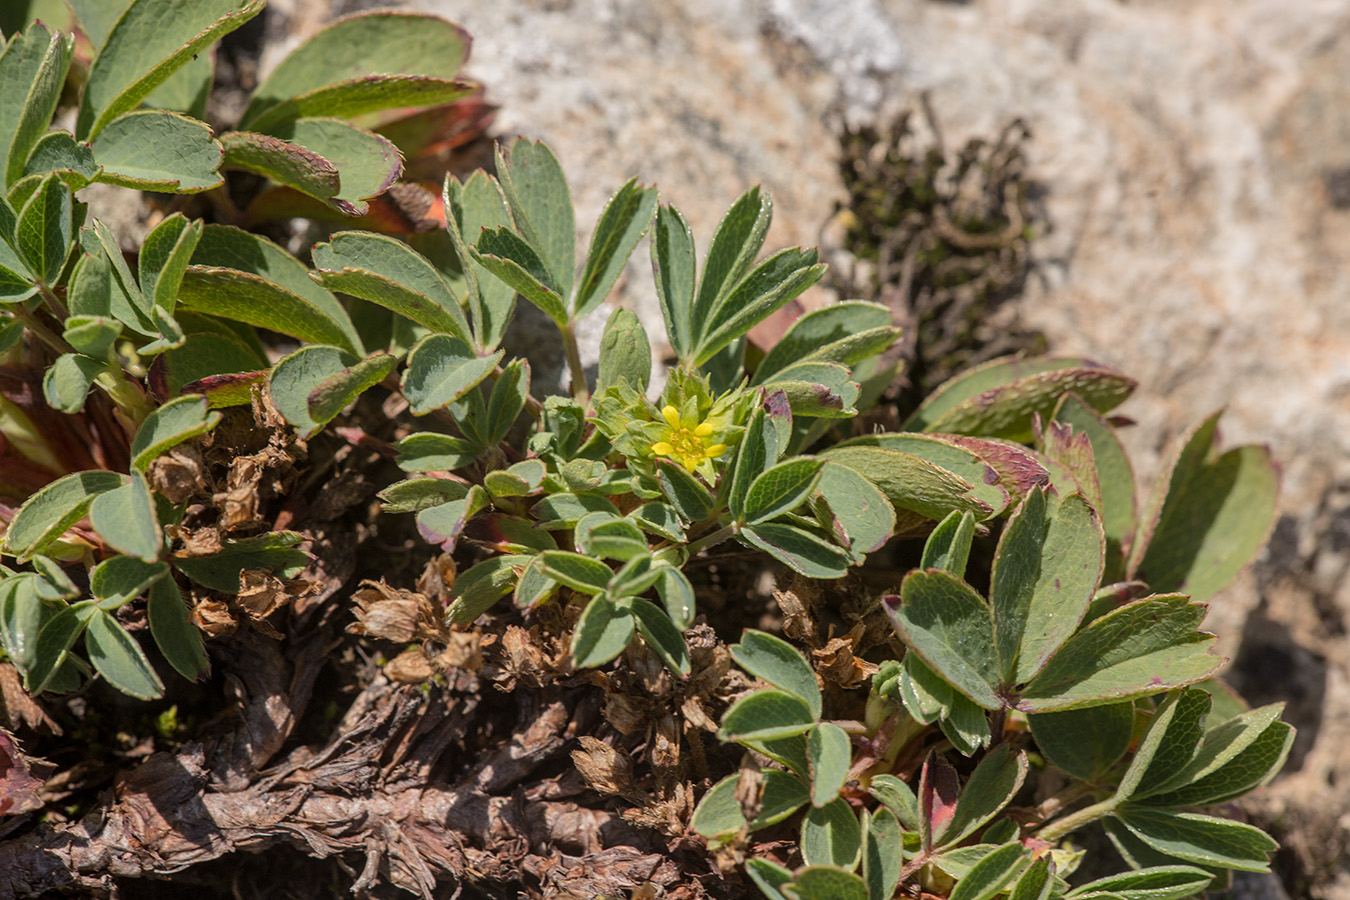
(1196, 165)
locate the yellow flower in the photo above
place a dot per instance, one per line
(684, 440)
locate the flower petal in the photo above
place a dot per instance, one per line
(672, 416)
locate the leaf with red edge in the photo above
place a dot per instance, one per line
(938, 786)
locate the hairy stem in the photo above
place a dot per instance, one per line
(580, 392)
(1074, 821)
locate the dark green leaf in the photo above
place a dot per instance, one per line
(45, 229)
(1155, 883)
(1201, 839)
(735, 244)
(659, 519)
(59, 633)
(951, 628)
(771, 286)
(179, 420)
(719, 812)
(925, 490)
(608, 536)
(625, 353)
(1168, 745)
(602, 633)
(944, 451)
(536, 190)
(155, 150)
(503, 253)
(47, 514)
(882, 854)
(283, 162)
(66, 383)
(441, 369)
(444, 524)
(164, 257)
(948, 547)
(1208, 517)
(781, 489)
(819, 390)
(831, 754)
(580, 573)
(507, 400)
(485, 583)
(621, 226)
(827, 883)
(379, 43)
(854, 509)
(32, 70)
(367, 164)
(120, 659)
(59, 152)
(798, 549)
(1233, 758)
(421, 493)
(124, 577)
(774, 660)
(391, 274)
(845, 333)
(1085, 743)
(1115, 476)
(298, 375)
(428, 452)
(125, 519)
(250, 298)
(178, 639)
(897, 797)
(757, 452)
(831, 835)
(149, 42)
(990, 789)
(469, 208)
(766, 715)
(691, 499)
(677, 596)
(989, 876)
(1141, 648)
(563, 510)
(1037, 882)
(769, 877)
(672, 247)
(661, 635)
(338, 391)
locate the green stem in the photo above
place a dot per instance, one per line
(711, 540)
(1074, 821)
(580, 392)
(53, 302)
(40, 330)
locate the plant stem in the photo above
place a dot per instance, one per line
(1077, 820)
(711, 540)
(40, 330)
(53, 302)
(580, 392)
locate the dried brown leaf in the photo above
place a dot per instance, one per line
(394, 614)
(18, 787)
(214, 617)
(410, 667)
(20, 709)
(606, 769)
(179, 474)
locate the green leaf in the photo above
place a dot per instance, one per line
(125, 519)
(541, 204)
(338, 391)
(757, 452)
(924, 489)
(367, 164)
(1141, 648)
(319, 74)
(602, 633)
(149, 42)
(563, 510)
(625, 353)
(735, 244)
(283, 162)
(774, 660)
(768, 876)
(882, 854)
(391, 274)
(612, 537)
(59, 152)
(677, 596)
(831, 754)
(164, 257)
(691, 499)
(469, 208)
(1155, 883)
(442, 369)
(580, 573)
(661, 635)
(507, 400)
(820, 390)
(621, 226)
(844, 333)
(503, 253)
(948, 547)
(771, 286)
(765, 716)
(989, 876)
(1168, 745)
(188, 89)
(298, 375)
(951, 628)
(1037, 882)
(719, 812)
(428, 452)
(273, 552)
(965, 725)
(672, 248)
(990, 789)
(32, 71)
(898, 798)
(445, 523)
(1046, 570)
(98, 289)
(1085, 743)
(781, 489)
(1208, 516)
(946, 452)
(179, 420)
(421, 493)
(58, 635)
(47, 514)
(124, 577)
(854, 508)
(155, 150)
(120, 659)
(485, 583)
(1115, 476)
(1201, 839)
(999, 398)
(45, 229)
(831, 835)
(250, 298)
(179, 640)
(827, 883)
(798, 549)
(66, 383)
(1232, 759)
